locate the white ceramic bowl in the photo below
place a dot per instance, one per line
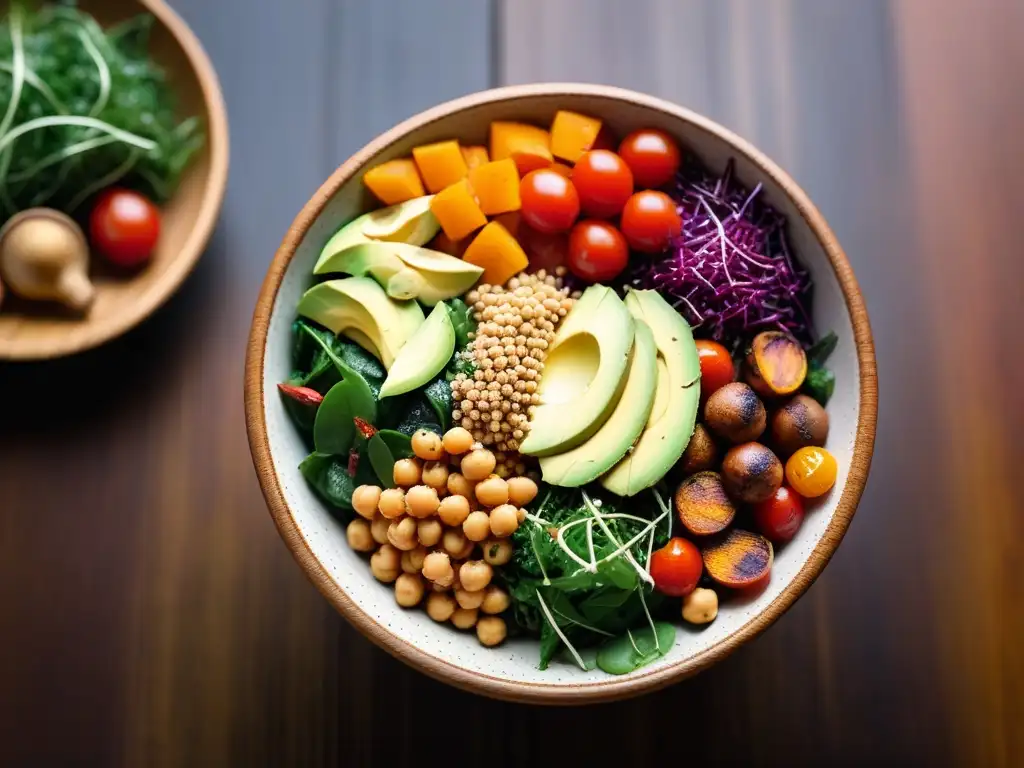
(510, 671)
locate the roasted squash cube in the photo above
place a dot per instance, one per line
(572, 134)
(475, 156)
(440, 164)
(500, 254)
(528, 145)
(496, 186)
(457, 210)
(394, 181)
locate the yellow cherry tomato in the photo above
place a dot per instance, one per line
(811, 471)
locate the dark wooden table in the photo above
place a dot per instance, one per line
(151, 616)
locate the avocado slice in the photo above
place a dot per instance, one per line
(610, 443)
(411, 222)
(430, 276)
(584, 373)
(378, 323)
(424, 355)
(674, 413)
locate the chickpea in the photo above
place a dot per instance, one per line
(436, 566)
(458, 485)
(457, 440)
(385, 563)
(477, 526)
(521, 491)
(392, 503)
(466, 551)
(504, 520)
(478, 464)
(700, 606)
(364, 500)
(464, 618)
(435, 474)
(445, 583)
(495, 600)
(492, 492)
(406, 472)
(475, 575)
(467, 599)
(491, 630)
(440, 606)
(453, 510)
(409, 590)
(421, 501)
(429, 531)
(497, 551)
(379, 529)
(521, 514)
(427, 445)
(402, 533)
(453, 541)
(359, 536)
(412, 561)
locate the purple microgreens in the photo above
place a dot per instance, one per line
(730, 271)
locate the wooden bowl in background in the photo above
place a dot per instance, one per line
(317, 539)
(36, 332)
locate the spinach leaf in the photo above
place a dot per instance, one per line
(350, 360)
(399, 444)
(462, 321)
(822, 349)
(328, 474)
(565, 612)
(334, 429)
(382, 461)
(596, 606)
(420, 415)
(636, 648)
(589, 656)
(549, 643)
(439, 395)
(820, 384)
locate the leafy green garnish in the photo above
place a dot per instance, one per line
(382, 461)
(82, 108)
(820, 382)
(328, 474)
(636, 648)
(439, 395)
(462, 321)
(335, 428)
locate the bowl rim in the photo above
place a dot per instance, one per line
(556, 693)
(202, 229)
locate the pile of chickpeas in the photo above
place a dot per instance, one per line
(438, 534)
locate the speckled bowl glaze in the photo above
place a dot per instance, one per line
(510, 671)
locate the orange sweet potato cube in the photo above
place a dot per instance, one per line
(457, 210)
(528, 145)
(572, 134)
(394, 181)
(496, 186)
(475, 156)
(498, 253)
(440, 164)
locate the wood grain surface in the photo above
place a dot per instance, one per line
(152, 616)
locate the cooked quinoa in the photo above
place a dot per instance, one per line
(516, 323)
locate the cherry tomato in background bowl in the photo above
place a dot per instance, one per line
(780, 517)
(676, 568)
(716, 367)
(550, 202)
(604, 183)
(652, 155)
(650, 221)
(124, 226)
(597, 251)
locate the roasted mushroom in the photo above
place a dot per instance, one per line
(776, 364)
(736, 413)
(797, 424)
(701, 452)
(751, 472)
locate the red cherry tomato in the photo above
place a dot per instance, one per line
(716, 368)
(549, 201)
(650, 221)
(676, 567)
(124, 226)
(604, 183)
(652, 156)
(780, 517)
(597, 251)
